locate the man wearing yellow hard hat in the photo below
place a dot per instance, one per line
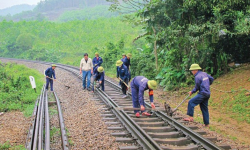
(122, 75)
(50, 74)
(138, 85)
(202, 84)
(99, 76)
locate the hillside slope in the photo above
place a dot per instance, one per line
(16, 9)
(229, 105)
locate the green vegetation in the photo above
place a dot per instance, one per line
(7, 146)
(89, 13)
(15, 89)
(180, 33)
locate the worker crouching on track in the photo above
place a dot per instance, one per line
(99, 76)
(49, 73)
(138, 85)
(202, 84)
(122, 75)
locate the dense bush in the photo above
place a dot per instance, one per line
(15, 88)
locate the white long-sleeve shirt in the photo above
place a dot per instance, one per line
(86, 66)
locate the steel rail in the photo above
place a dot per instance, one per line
(30, 135)
(62, 125)
(34, 140)
(47, 126)
(130, 126)
(41, 124)
(197, 138)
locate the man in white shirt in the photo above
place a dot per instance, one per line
(86, 68)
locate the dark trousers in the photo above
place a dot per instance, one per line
(203, 101)
(97, 82)
(124, 87)
(135, 97)
(49, 81)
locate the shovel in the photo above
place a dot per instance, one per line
(60, 83)
(124, 83)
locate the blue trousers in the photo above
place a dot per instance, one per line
(135, 98)
(203, 102)
(86, 74)
(49, 81)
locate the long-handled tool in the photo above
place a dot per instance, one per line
(170, 111)
(59, 82)
(124, 83)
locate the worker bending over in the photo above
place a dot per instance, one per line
(99, 76)
(138, 85)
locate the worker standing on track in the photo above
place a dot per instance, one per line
(122, 73)
(138, 85)
(202, 84)
(99, 76)
(86, 69)
(49, 73)
(97, 61)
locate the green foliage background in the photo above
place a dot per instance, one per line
(15, 88)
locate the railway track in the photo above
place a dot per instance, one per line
(158, 131)
(39, 133)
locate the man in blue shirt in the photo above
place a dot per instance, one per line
(99, 76)
(122, 73)
(138, 85)
(97, 61)
(49, 73)
(202, 84)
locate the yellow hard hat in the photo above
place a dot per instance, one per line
(129, 55)
(152, 84)
(53, 65)
(96, 53)
(100, 69)
(119, 63)
(195, 67)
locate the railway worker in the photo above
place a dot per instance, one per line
(202, 84)
(86, 69)
(50, 74)
(123, 57)
(97, 61)
(99, 76)
(122, 74)
(138, 85)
